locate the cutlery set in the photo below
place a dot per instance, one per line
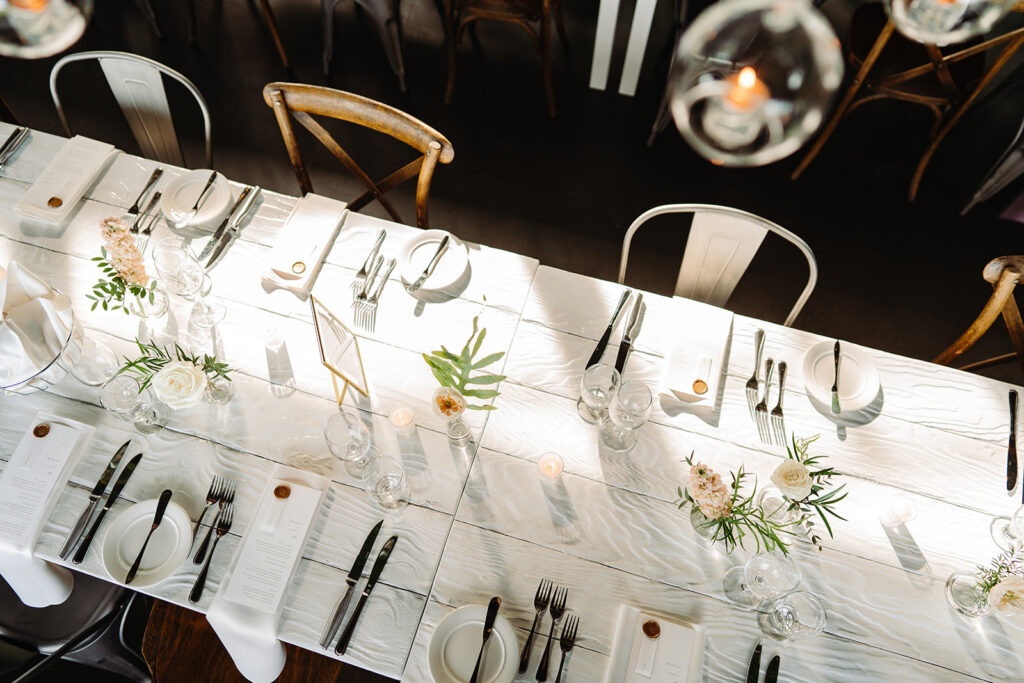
(135, 211)
(771, 426)
(771, 674)
(229, 228)
(12, 143)
(367, 288)
(223, 493)
(352, 579)
(552, 599)
(634, 322)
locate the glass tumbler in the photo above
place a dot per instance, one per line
(628, 411)
(796, 615)
(386, 478)
(599, 383)
(763, 577)
(123, 395)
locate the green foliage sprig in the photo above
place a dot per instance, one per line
(153, 358)
(111, 290)
(822, 498)
(1005, 564)
(455, 370)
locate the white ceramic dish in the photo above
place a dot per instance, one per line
(167, 549)
(858, 375)
(182, 192)
(456, 643)
(415, 254)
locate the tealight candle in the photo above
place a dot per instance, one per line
(550, 465)
(402, 418)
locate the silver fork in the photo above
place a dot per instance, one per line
(359, 316)
(752, 382)
(557, 609)
(540, 603)
(212, 496)
(226, 498)
(761, 410)
(567, 641)
(227, 513)
(142, 241)
(371, 303)
(778, 426)
(359, 282)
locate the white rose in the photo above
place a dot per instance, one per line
(1008, 595)
(179, 384)
(793, 479)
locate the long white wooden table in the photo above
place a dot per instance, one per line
(482, 522)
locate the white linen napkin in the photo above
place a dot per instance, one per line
(57, 190)
(306, 238)
(36, 322)
(693, 366)
(668, 651)
(30, 485)
(247, 607)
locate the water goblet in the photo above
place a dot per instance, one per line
(763, 577)
(629, 409)
(124, 396)
(1008, 531)
(796, 615)
(385, 477)
(177, 267)
(597, 387)
(348, 439)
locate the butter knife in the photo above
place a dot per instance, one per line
(492, 614)
(353, 576)
(114, 493)
(11, 145)
(632, 331)
(429, 270)
(224, 223)
(602, 343)
(1011, 450)
(158, 517)
(183, 223)
(835, 382)
(233, 227)
(754, 669)
(378, 567)
(771, 674)
(94, 497)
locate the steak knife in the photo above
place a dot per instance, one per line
(378, 567)
(183, 223)
(1011, 450)
(224, 223)
(754, 670)
(11, 145)
(94, 498)
(602, 344)
(114, 493)
(351, 579)
(233, 228)
(636, 319)
(771, 674)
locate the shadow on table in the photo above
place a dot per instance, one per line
(279, 369)
(709, 414)
(561, 510)
(989, 645)
(440, 296)
(856, 418)
(909, 553)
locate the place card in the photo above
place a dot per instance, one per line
(34, 477)
(695, 362)
(58, 189)
(306, 238)
(650, 648)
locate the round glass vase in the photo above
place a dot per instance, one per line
(451, 405)
(218, 391)
(704, 527)
(965, 596)
(152, 305)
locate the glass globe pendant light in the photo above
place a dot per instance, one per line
(33, 29)
(752, 79)
(943, 22)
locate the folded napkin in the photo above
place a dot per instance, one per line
(30, 485)
(247, 607)
(55, 193)
(306, 238)
(649, 648)
(694, 364)
(35, 324)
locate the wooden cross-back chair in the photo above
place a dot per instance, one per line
(297, 101)
(893, 67)
(1004, 273)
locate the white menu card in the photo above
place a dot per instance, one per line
(57, 190)
(650, 648)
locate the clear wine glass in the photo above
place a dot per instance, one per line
(763, 577)
(1008, 531)
(796, 615)
(628, 411)
(182, 274)
(599, 383)
(348, 439)
(124, 396)
(386, 478)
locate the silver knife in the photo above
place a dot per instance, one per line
(631, 332)
(94, 497)
(233, 226)
(114, 493)
(183, 223)
(378, 567)
(353, 576)
(224, 223)
(602, 344)
(1011, 449)
(771, 674)
(11, 145)
(134, 210)
(754, 668)
(835, 384)
(429, 270)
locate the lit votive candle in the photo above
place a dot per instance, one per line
(402, 418)
(550, 465)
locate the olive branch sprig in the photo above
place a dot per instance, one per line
(455, 370)
(153, 359)
(822, 499)
(1003, 565)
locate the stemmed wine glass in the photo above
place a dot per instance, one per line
(597, 387)
(796, 615)
(628, 411)
(349, 440)
(124, 396)
(765, 576)
(183, 275)
(1009, 531)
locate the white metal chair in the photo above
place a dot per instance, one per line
(721, 243)
(137, 85)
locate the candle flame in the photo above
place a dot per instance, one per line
(748, 77)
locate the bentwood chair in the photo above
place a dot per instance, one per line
(533, 16)
(1004, 273)
(88, 628)
(719, 247)
(297, 101)
(137, 85)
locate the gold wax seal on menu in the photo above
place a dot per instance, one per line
(282, 491)
(41, 430)
(54, 202)
(651, 628)
(700, 386)
(298, 267)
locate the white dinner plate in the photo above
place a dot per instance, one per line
(167, 549)
(858, 376)
(415, 254)
(181, 193)
(456, 643)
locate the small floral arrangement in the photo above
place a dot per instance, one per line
(177, 377)
(455, 373)
(121, 262)
(807, 486)
(1002, 583)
